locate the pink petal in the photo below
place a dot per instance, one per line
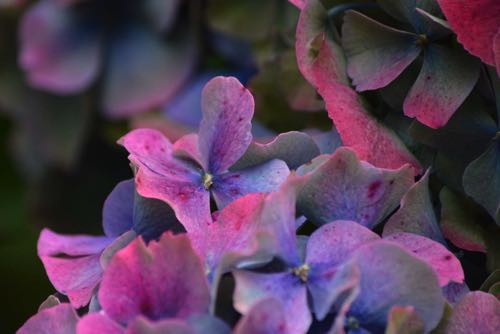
(444, 263)
(475, 23)
(225, 130)
(163, 280)
(60, 319)
(300, 4)
(266, 317)
(94, 323)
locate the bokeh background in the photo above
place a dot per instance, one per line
(76, 75)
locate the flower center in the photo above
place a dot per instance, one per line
(207, 180)
(422, 40)
(302, 272)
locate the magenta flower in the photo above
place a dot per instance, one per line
(74, 263)
(184, 175)
(65, 45)
(154, 288)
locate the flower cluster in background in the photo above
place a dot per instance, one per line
(330, 167)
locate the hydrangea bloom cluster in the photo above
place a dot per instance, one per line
(164, 262)
(218, 233)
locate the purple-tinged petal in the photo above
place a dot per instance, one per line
(265, 177)
(208, 324)
(60, 319)
(444, 263)
(144, 72)
(142, 325)
(404, 320)
(446, 79)
(49, 302)
(72, 263)
(496, 50)
(327, 142)
(436, 28)
(376, 54)
(453, 292)
(322, 63)
(233, 237)
(392, 276)
(252, 288)
(225, 130)
(187, 146)
(265, 317)
(294, 147)
(53, 244)
(345, 188)
(162, 176)
(475, 23)
(57, 54)
(119, 243)
(416, 213)
(328, 247)
(118, 210)
(477, 312)
(94, 323)
(163, 280)
(300, 4)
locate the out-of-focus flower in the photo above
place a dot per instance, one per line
(140, 51)
(185, 174)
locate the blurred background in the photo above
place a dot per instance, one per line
(76, 75)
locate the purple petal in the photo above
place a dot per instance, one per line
(187, 146)
(117, 214)
(143, 71)
(163, 280)
(477, 312)
(294, 147)
(344, 188)
(225, 130)
(327, 248)
(142, 325)
(444, 263)
(416, 213)
(57, 54)
(265, 317)
(94, 323)
(391, 276)
(252, 288)
(60, 319)
(455, 291)
(164, 177)
(119, 243)
(72, 263)
(376, 54)
(266, 177)
(446, 79)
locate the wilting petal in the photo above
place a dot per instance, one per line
(322, 63)
(118, 210)
(391, 276)
(444, 263)
(265, 317)
(162, 176)
(477, 312)
(344, 188)
(60, 319)
(481, 180)
(72, 263)
(416, 213)
(163, 280)
(376, 54)
(475, 23)
(404, 320)
(98, 323)
(143, 71)
(57, 54)
(446, 79)
(261, 178)
(252, 288)
(295, 148)
(225, 130)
